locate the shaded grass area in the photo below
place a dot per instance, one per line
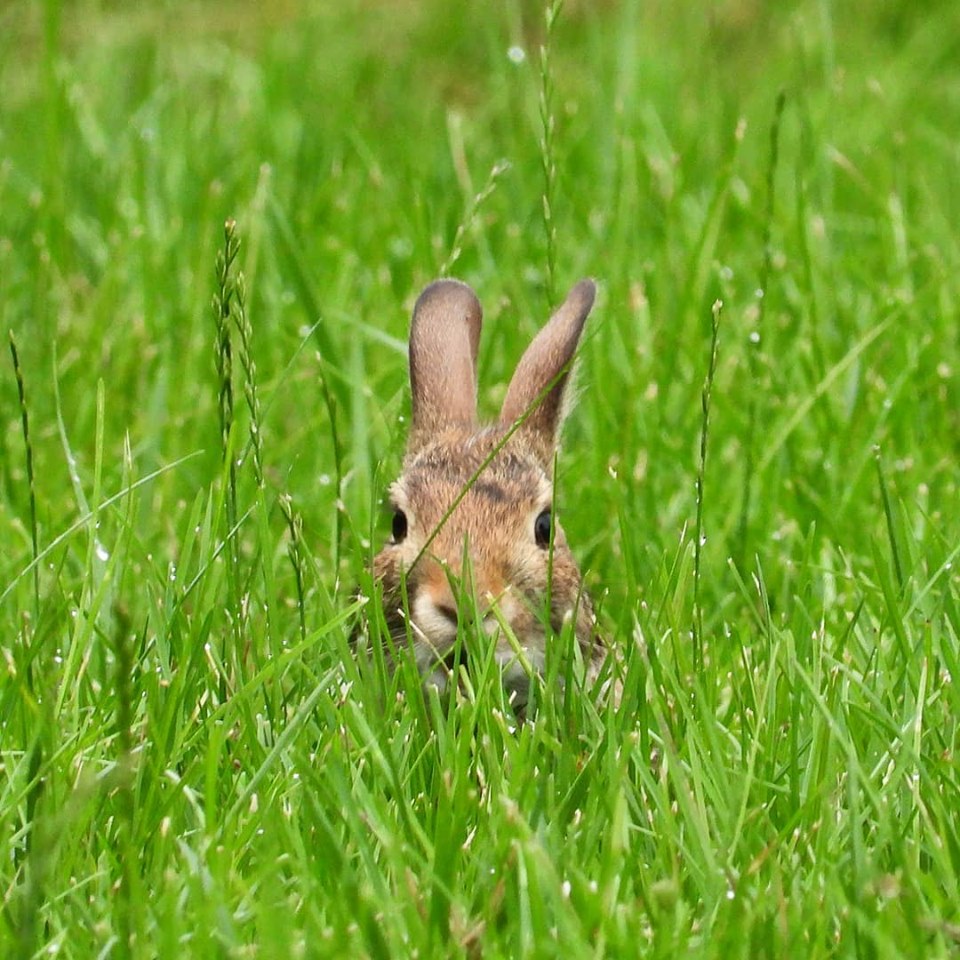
(192, 763)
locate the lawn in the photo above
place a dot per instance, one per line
(214, 221)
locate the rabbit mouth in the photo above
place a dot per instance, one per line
(440, 655)
(515, 675)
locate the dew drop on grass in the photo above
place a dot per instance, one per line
(516, 54)
(755, 336)
(101, 552)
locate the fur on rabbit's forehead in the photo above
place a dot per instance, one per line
(437, 473)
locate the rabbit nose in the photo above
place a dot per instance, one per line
(437, 594)
(457, 655)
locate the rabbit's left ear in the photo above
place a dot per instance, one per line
(444, 336)
(543, 373)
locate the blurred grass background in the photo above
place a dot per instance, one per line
(350, 142)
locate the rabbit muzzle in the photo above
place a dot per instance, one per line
(490, 613)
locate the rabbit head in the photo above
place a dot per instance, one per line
(475, 542)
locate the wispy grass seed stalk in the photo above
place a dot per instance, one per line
(754, 340)
(548, 148)
(295, 553)
(222, 309)
(330, 404)
(31, 480)
(700, 539)
(224, 356)
(249, 367)
(34, 764)
(470, 216)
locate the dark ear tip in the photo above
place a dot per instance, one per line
(448, 294)
(583, 294)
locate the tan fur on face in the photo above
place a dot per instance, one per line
(494, 525)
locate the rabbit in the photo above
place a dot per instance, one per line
(502, 521)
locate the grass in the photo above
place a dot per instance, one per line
(192, 764)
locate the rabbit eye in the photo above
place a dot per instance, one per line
(399, 528)
(542, 528)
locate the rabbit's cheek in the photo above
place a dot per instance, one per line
(505, 608)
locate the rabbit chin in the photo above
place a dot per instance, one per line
(435, 637)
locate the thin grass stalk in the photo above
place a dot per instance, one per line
(31, 481)
(470, 216)
(255, 444)
(249, 367)
(888, 515)
(36, 749)
(295, 553)
(225, 292)
(547, 148)
(699, 538)
(754, 340)
(330, 402)
(126, 902)
(224, 354)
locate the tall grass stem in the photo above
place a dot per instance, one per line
(700, 538)
(754, 341)
(548, 159)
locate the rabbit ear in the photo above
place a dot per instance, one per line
(444, 335)
(547, 361)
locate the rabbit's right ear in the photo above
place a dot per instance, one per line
(538, 388)
(444, 335)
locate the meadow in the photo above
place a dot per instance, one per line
(214, 221)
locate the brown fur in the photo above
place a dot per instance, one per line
(493, 524)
